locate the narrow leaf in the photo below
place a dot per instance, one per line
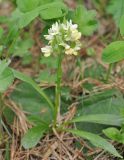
(107, 119)
(96, 141)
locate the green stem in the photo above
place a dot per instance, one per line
(109, 72)
(58, 90)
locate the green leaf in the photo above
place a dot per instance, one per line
(28, 80)
(85, 19)
(23, 19)
(3, 65)
(31, 102)
(38, 120)
(114, 52)
(6, 79)
(26, 6)
(108, 119)
(53, 12)
(116, 9)
(96, 141)
(42, 2)
(104, 102)
(112, 133)
(121, 25)
(9, 115)
(33, 136)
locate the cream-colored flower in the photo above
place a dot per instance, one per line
(65, 35)
(47, 50)
(75, 53)
(75, 35)
(69, 51)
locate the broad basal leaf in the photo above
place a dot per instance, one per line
(96, 141)
(99, 103)
(114, 52)
(107, 119)
(33, 136)
(32, 103)
(28, 80)
(85, 19)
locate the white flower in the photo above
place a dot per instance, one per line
(70, 26)
(65, 35)
(47, 50)
(48, 37)
(54, 30)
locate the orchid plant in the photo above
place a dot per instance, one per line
(64, 40)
